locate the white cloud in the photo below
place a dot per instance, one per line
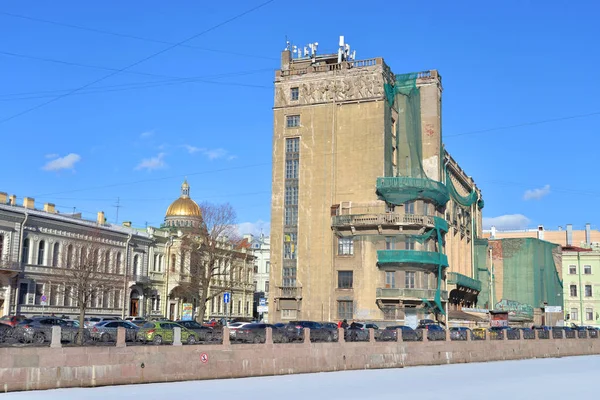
(213, 154)
(152, 163)
(146, 134)
(192, 149)
(66, 162)
(254, 228)
(536, 194)
(507, 222)
(53, 155)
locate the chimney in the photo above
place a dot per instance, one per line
(588, 234)
(12, 200)
(101, 219)
(540, 232)
(50, 208)
(569, 234)
(3, 198)
(127, 224)
(493, 233)
(29, 202)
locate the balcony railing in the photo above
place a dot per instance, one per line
(411, 256)
(400, 189)
(390, 219)
(459, 279)
(409, 294)
(289, 292)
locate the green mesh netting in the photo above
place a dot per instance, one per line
(529, 272)
(482, 272)
(465, 201)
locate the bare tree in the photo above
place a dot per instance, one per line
(83, 278)
(213, 248)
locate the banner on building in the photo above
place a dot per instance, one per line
(188, 311)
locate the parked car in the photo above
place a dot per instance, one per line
(159, 332)
(430, 327)
(256, 333)
(295, 331)
(234, 326)
(332, 327)
(6, 332)
(139, 323)
(358, 331)
(459, 332)
(39, 330)
(479, 333)
(390, 333)
(12, 320)
(88, 322)
(135, 319)
(106, 331)
(203, 333)
(281, 325)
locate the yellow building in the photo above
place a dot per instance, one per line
(369, 213)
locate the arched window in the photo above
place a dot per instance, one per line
(25, 255)
(107, 261)
(155, 265)
(1, 246)
(173, 261)
(118, 263)
(41, 251)
(136, 264)
(69, 256)
(82, 256)
(95, 261)
(55, 254)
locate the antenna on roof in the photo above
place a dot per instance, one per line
(341, 50)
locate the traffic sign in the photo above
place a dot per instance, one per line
(262, 309)
(553, 309)
(44, 300)
(262, 301)
(226, 297)
(204, 358)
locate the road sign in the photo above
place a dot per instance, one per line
(226, 297)
(553, 309)
(262, 309)
(204, 358)
(262, 301)
(44, 300)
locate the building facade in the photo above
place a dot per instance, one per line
(261, 249)
(371, 218)
(153, 264)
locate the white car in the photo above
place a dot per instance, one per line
(234, 326)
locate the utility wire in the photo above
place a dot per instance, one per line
(153, 55)
(124, 35)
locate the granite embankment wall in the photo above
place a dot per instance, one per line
(27, 368)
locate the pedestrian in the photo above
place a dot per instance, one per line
(344, 324)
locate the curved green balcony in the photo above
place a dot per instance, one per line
(454, 278)
(386, 257)
(400, 189)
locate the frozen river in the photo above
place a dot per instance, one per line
(560, 378)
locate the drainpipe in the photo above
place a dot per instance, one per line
(125, 275)
(168, 268)
(19, 259)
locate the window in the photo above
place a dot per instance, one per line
(25, 255)
(1, 245)
(425, 209)
(345, 246)
(572, 269)
(136, 264)
(390, 279)
(294, 92)
(409, 207)
(587, 269)
(390, 243)
(291, 216)
(82, 256)
(293, 121)
(107, 261)
(588, 290)
(67, 300)
(69, 256)
(409, 280)
(55, 254)
(345, 309)
(589, 314)
(292, 145)
(409, 243)
(574, 314)
(219, 301)
(573, 290)
(268, 266)
(289, 314)
(267, 286)
(345, 279)
(291, 195)
(247, 308)
(41, 251)
(255, 286)
(118, 263)
(291, 169)
(39, 292)
(289, 276)
(173, 262)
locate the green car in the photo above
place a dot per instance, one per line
(159, 332)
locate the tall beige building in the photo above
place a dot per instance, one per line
(369, 213)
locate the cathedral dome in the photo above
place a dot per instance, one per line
(184, 206)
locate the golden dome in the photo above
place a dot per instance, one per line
(184, 206)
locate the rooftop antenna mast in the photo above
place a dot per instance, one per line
(117, 206)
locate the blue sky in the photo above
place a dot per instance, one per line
(137, 134)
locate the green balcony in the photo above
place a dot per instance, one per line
(454, 278)
(386, 257)
(366, 221)
(409, 294)
(400, 189)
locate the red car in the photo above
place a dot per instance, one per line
(12, 320)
